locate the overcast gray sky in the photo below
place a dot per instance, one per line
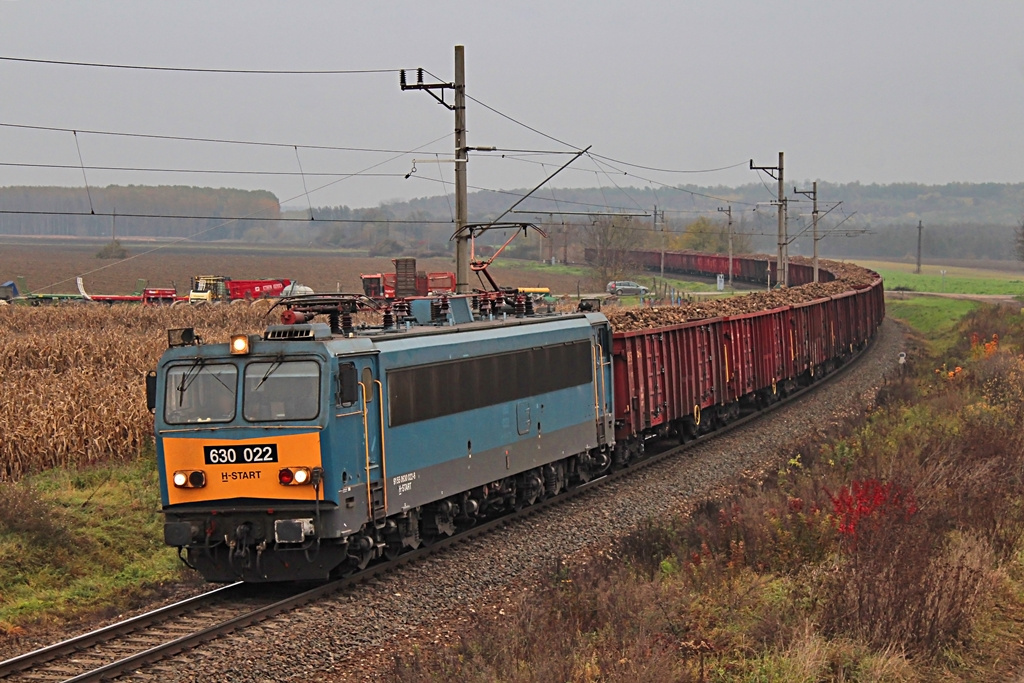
(876, 91)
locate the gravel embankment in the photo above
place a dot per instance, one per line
(352, 636)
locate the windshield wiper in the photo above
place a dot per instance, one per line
(273, 368)
(189, 377)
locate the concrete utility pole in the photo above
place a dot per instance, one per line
(813, 194)
(919, 229)
(783, 238)
(729, 212)
(462, 236)
(782, 262)
(655, 226)
(461, 161)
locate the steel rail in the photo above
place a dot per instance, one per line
(107, 633)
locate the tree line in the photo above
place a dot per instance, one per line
(961, 221)
(199, 213)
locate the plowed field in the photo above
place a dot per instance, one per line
(52, 268)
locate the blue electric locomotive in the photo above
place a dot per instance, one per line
(310, 450)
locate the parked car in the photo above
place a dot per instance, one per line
(626, 288)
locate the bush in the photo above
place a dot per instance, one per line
(23, 511)
(113, 250)
(898, 588)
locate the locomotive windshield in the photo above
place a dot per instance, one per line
(200, 392)
(281, 390)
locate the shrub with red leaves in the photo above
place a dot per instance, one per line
(867, 499)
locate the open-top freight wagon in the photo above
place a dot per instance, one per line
(691, 377)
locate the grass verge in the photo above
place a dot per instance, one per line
(947, 279)
(935, 318)
(78, 543)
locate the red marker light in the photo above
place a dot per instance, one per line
(285, 476)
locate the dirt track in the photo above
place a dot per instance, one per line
(997, 299)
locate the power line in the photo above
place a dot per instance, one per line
(357, 149)
(264, 219)
(608, 175)
(441, 181)
(179, 69)
(668, 170)
(605, 158)
(137, 169)
(646, 180)
(224, 222)
(321, 72)
(226, 219)
(184, 138)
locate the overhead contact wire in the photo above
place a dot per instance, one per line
(84, 177)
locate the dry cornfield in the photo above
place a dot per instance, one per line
(73, 377)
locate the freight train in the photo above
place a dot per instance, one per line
(312, 449)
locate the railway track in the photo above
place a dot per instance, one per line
(120, 647)
(144, 640)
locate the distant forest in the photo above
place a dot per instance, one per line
(152, 211)
(960, 220)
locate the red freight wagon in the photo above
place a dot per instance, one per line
(685, 378)
(661, 374)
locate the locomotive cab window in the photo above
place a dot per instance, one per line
(281, 390)
(348, 384)
(368, 384)
(200, 392)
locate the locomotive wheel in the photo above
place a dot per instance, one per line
(360, 551)
(359, 561)
(529, 490)
(523, 502)
(427, 540)
(392, 549)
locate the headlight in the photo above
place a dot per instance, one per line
(239, 344)
(189, 479)
(294, 476)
